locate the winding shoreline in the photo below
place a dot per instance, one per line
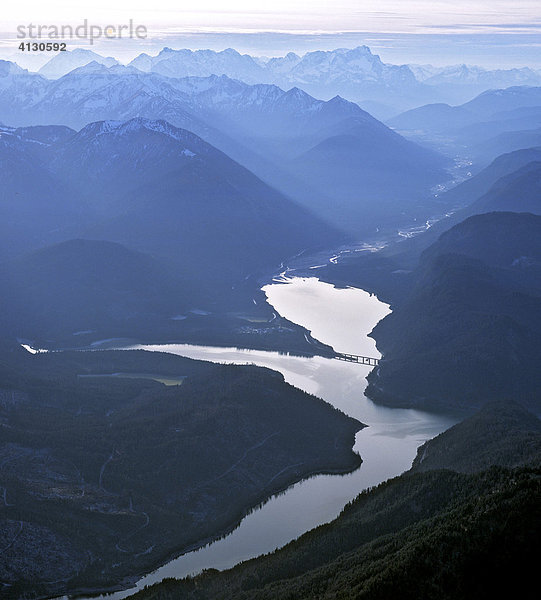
(392, 436)
(131, 581)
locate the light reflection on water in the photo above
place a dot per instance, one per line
(341, 318)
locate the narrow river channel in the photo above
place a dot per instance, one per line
(342, 318)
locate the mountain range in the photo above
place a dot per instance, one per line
(284, 137)
(147, 203)
(356, 74)
(151, 187)
(493, 123)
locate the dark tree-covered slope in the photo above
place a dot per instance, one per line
(112, 462)
(436, 534)
(83, 285)
(469, 331)
(502, 433)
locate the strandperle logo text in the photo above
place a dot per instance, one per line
(83, 31)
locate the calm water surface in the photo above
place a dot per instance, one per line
(342, 318)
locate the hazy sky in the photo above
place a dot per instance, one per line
(490, 32)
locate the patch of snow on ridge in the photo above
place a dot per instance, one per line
(136, 124)
(158, 125)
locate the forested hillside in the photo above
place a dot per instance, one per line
(111, 462)
(436, 534)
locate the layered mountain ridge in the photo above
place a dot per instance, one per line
(356, 73)
(266, 129)
(150, 188)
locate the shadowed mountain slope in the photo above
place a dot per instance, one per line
(469, 329)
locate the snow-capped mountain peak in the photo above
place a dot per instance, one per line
(201, 63)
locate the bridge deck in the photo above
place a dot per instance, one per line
(355, 358)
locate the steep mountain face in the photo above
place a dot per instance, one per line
(374, 176)
(87, 92)
(18, 85)
(264, 111)
(360, 174)
(10, 68)
(478, 238)
(520, 191)
(164, 190)
(95, 92)
(469, 330)
(36, 205)
(64, 62)
(283, 64)
(355, 163)
(156, 188)
(116, 157)
(356, 74)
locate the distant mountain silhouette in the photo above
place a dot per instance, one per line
(493, 123)
(64, 62)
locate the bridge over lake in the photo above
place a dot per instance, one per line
(356, 358)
